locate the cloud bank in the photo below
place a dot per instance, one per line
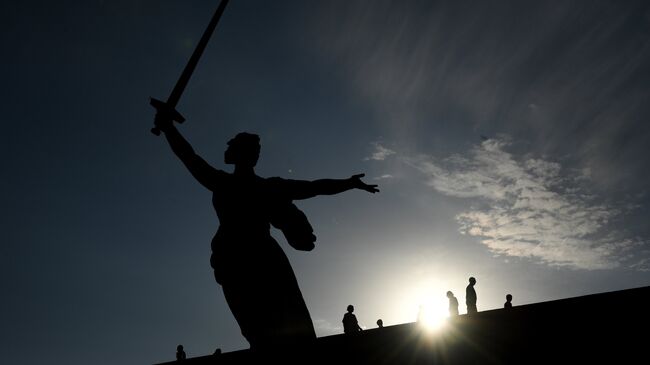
(529, 207)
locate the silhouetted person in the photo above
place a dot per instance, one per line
(380, 323)
(453, 304)
(253, 271)
(350, 323)
(470, 297)
(180, 354)
(508, 303)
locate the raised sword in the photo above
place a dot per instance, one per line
(169, 106)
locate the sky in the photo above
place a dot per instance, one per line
(508, 138)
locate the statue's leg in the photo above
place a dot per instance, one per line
(263, 295)
(242, 306)
(295, 322)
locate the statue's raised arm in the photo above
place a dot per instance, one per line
(205, 174)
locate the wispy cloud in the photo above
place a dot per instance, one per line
(379, 153)
(529, 207)
(642, 265)
(384, 177)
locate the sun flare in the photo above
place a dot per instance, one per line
(432, 314)
(423, 300)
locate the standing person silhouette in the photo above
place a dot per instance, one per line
(180, 353)
(508, 303)
(470, 297)
(255, 275)
(350, 323)
(453, 304)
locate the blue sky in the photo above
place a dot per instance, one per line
(509, 140)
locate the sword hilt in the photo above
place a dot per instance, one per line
(164, 108)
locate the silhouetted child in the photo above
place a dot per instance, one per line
(508, 303)
(380, 323)
(180, 354)
(453, 304)
(470, 297)
(350, 323)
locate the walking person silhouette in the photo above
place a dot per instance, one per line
(258, 282)
(453, 304)
(470, 297)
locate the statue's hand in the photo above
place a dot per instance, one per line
(164, 120)
(358, 184)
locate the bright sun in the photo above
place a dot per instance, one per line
(432, 314)
(423, 300)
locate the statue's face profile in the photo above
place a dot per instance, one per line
(243, 150)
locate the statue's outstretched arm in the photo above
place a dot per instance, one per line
(198, 167)
(309, 189)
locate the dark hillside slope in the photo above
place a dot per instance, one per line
(601, 328)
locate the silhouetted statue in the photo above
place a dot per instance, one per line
(350, 323)
(508, 303)
(253, 271)
(180, 354)
(453, 304)
(470, 297)
(380, 323)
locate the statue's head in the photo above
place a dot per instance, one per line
(243, 150)
(350, 308)
(472, 280)
(450, 294)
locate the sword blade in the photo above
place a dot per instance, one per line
(176, 93)
(183, 80)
